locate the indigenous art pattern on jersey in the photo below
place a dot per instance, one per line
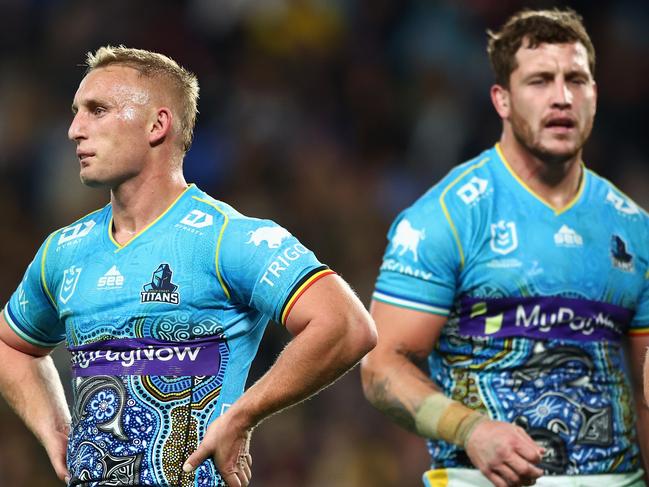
(161, 330)
(538, 301)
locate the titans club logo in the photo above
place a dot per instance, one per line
(160, 289)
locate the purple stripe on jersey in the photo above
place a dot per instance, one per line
(147, 356)
(543, 318)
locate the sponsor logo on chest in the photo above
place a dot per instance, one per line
(112, 279)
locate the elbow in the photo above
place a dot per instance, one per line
(360, 337)
(367, 335)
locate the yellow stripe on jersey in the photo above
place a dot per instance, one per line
(437, 477)
(557, 212)
(110, 223)
(226, 220)
(300, 290)
(43, 280)
(445, 209)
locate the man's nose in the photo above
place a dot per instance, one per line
(76, 129)
(562, 96)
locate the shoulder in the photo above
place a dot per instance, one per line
(85, 227)
(465, 188)
(239, 228)
(609, 194)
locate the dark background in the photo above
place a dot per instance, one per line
(328, 116)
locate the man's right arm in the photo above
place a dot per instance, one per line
(395, 384)
(31, 385)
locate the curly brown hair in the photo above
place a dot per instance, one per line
(535, 27)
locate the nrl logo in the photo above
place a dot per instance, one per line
(503, 237)
(69, 284)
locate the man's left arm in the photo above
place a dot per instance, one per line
(332, 332)
(638, 345)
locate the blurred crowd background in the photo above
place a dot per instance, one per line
(328, 116)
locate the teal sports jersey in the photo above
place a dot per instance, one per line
(161, 330)
(538, 301)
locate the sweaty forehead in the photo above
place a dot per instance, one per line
(552, 57)
(119, 84)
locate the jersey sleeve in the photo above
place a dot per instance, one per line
(422, 260)
(265, 267)
(31, 312)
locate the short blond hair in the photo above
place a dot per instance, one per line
(150, 64)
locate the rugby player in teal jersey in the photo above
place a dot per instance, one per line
(162, 298)
(518, 278)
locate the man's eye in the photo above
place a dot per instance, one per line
(98, 111)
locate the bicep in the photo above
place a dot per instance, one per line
(12, 340)
(329, 299)
(406, 331)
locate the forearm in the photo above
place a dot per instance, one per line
(311, 361)
(32, 387)
(642, 426)
(401, 390)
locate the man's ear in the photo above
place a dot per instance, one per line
(161, 127)
(500, 100)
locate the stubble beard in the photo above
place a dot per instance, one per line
(525, 136)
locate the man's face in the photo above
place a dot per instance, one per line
(112, 114)
(552, 100)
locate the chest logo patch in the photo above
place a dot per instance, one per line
(620, 256)
(504, 238)
(406, 239)
(69, 284)
(160, 289)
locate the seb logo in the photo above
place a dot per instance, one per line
(76, 231)
(471, 191)
(283, 262)
(197, 219)
(113, 279)
(273, 236)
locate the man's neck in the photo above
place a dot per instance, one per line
(137, 202)
(557, 183)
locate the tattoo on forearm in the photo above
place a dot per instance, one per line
(386, 402)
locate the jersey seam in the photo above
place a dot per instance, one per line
(219, 240)
(447, 214)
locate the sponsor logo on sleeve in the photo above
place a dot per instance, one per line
(406, 239)
(22, 298)
(69, 284)
(623, 205)
(620, 257)
(282, 262)
(113, 279)
(75, 232)
(471, 192)
(503, 237)
(567, 237)
(160, 289)
(273, 236)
